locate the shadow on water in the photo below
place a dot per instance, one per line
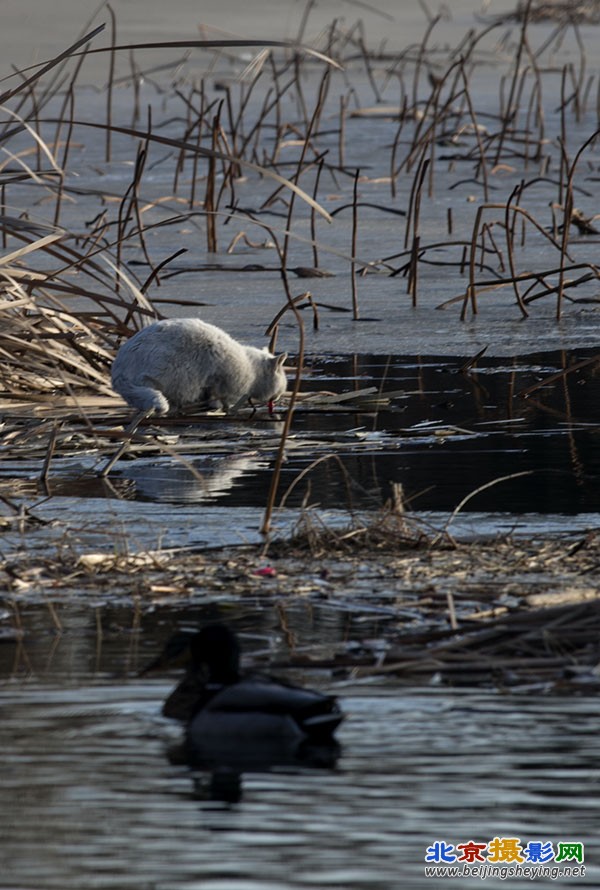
(218, 770)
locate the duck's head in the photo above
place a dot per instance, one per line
(216, 650)
(212, 653)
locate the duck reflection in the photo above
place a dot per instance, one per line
(237, 723)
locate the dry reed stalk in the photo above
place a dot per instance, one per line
(209, 195)
(45, 67)
(129, 208)
(232, 131)
(49, 453)
(109, 86)
(196, 44)
(136, 80)
(313, 217)
(413, 217)
(43, 352)
(34, 117)
(568, 214)
(354, 288)
(489, 234)
(342, 133)
(509, 111)
(509, 230)
(433, 21)
(303, 474)
(196, 156)
(304, 298)
(578, 85)
(413, 274)
(276, 474)
(3, 212)
(470, 294)
(393, 171)
(44, 289)
(536, 96)
(188, 131)
(217, 155)
(158, 268)
(300, 100)
(388, 529)
(369, 71)
(140, 164)
(562, 141)
(230, 172)
(475, 125)
(560, 375)
(269, 104)
(65, 157)
(481, 488)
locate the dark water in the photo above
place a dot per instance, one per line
(553, 433)
(90, 798)
(91, 795)
(446, 433)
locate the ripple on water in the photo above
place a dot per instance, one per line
(88, 793)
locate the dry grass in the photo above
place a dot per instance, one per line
(563, 12)
(67, 295)
(507, 614)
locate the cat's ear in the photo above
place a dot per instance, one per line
(280, 360)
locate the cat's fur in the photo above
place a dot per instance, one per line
(179, 363)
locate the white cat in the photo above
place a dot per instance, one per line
(180, 363)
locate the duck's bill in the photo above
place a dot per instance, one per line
(175, 654)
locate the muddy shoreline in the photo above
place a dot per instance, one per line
(420, 592)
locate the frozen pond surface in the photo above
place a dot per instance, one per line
(241, 290)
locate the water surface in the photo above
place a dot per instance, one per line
(91, 794)
(443, 433)
(89, 797)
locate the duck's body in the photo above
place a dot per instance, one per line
(257, 706)
(224, 710)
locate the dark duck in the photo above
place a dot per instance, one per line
(227, 711)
